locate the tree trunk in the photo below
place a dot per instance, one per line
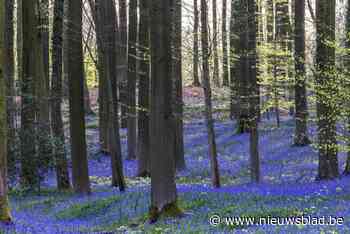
(254, 90)
(5, 215)
(216, 77)
(225, 67)
(162, 122)
(347, 64)
(10, 85)
(75, 69)
(132, 77)
(196, 81)
(106, 33)
(123, 50)
(207, 92)
(29, 166)
(143, 140)
(326, 90)
(301, 137)
(59, 150)
(180, 163)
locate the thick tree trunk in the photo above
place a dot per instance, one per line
(216, 77)
(196, 81)
(59, 150)
(225, 66)
(75, 69)
(163, 187)
(123, 50)
(207, 92)
(5, 215)
(301, 137)
(132, 77)
(326, 90)
(180, 163)
(29, 167)
(143, 141)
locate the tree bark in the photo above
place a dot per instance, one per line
(216, 77)
(301, 113)
(326, 90)
(29, 166)
(207, 92)
(5, 215)
(123, 50)
(132, 77)
(180, 163)
(81, 183)
(59, 149)
(225, 66)
(143, 141)
(196, 81)
(163, 187)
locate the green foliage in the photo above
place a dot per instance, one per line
(87, 209)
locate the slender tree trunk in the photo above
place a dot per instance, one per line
(123, 50)
(5, 215)
(254, 90)
(59, 152)
(29, 168)
(132, 77)
(225, 66)
(216, 77)
(143, 141)
(180, 163)
(196, 81)
(301, 137)
(162, 122)
(75, 69)
(207, 93)
(10, 84)
(106, 33)
(326, 90)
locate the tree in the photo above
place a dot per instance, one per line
(59, 150)
(10, 84)
(177, 86)
(132, 77)
(196, 82)
(106, 34)
(123, 46)
(326, 90)
(251, 64)
(163, 187)
(301, 137)
(5, 215)
(143, 141)
(30, 53)
(347, 64)
(207, 92)
(75, 69)
(225, 67)
(215, 46)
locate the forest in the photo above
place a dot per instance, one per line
(174, 116)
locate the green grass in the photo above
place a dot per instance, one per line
(86, 209)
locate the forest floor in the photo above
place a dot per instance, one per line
(288, 188)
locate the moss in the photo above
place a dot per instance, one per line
(169, 210)
(5, 213)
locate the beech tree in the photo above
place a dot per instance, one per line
(225, 65)
(59, 150)
(196, 81)
(207, 93)
(163, 187)
(5, 215)
(81, 183)
(326, 90)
